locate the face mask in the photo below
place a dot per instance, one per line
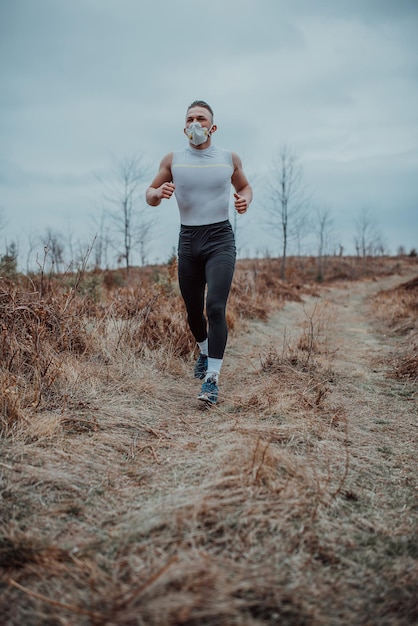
(197, 134)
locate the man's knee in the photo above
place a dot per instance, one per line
(215, 312)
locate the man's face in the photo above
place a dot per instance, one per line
(199, 114)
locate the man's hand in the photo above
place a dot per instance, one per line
(166, 190)
(154, 195)
(241, 203)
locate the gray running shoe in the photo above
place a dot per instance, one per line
(201, 366)
(209, 391)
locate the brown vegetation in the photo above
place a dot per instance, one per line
(398, 309)
(124, 502)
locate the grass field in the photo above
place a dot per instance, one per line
(293, 501)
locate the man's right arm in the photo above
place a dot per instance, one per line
(162, 185)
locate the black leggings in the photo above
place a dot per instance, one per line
(206, 256)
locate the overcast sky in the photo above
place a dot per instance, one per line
(87, 83)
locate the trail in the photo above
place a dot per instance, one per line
(381, 413)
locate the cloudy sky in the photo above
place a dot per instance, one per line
(88, 83)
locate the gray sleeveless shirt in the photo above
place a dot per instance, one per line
(203, 184)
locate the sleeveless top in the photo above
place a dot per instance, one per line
(203, 184)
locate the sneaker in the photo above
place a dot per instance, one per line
(201, 366)
(209, 391)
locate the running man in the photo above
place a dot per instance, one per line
(200, 176)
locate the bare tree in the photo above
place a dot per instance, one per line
(367, 239)
(102, 241)
(54, 249)
(143, 239)
(123, 195)
(32, 243)
(323, 231)
(288, 201)
(301, 227)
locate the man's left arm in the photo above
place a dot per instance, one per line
(243, 191)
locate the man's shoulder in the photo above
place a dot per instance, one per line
(167, 160)
(224, 154)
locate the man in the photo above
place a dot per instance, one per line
(200, 176)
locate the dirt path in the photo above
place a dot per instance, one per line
(381, 413)
(357, 348)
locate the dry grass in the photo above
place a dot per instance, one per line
(124, 503)
(398, 309)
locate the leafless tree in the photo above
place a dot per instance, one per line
(102, 242)
(323, 230)
(143, 239)
(288, 201)
(368, 240)
(124, 197)
(54, 250)
(32, 243)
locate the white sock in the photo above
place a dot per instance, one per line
(203, 345)
(214, 368)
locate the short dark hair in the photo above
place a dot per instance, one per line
(201, 103)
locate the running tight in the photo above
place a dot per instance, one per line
(206, 258)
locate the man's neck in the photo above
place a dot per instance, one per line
(202, 146)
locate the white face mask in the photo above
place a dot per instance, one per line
(197, 134)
